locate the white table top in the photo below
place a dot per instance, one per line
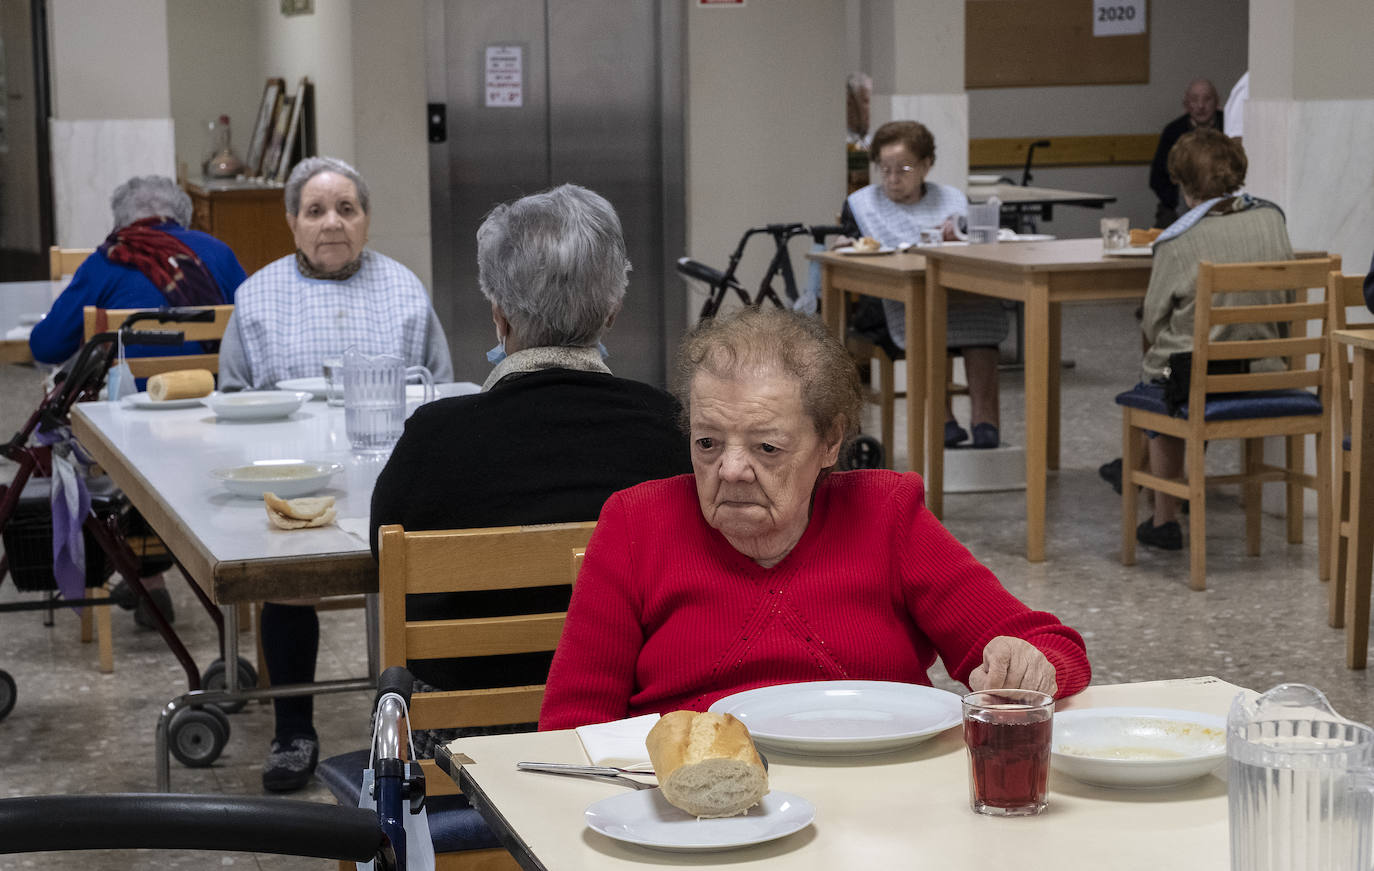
(905, 809)
(20, 298)
(163, 458)
(1016, 194)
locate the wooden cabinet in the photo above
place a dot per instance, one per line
(250, 220)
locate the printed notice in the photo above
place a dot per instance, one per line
(1117, 17)
(505, 77)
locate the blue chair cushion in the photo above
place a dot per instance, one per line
(454, 825)
(1228, 406)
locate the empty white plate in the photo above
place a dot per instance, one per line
(1137, 746)
(1134, 251)
(286, 478)
(843, 717)
(855, 252)
(646, 818)
(315, 386)
(255, 404)
(143, 400)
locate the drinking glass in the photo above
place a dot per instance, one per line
(931, 237)
(1008, 734)
(333, 381)
(1116, 233)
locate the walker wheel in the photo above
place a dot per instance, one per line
(213, 680)
(197, 735)
(865, 452)
(8, 693)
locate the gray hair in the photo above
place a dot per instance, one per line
(555, 263)
(150, 196)
(313, 166)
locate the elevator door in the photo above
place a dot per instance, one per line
(600, 106)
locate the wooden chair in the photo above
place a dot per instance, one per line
(1343, 292)
(99, 320)
(1249, 406)
(468, 560)
(64, 261)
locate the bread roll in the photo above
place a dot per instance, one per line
(706, 763)
(299, 513)
(867, 243)
(1140, 238)
(181, 384)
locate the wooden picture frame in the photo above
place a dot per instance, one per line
(262, 129)
(293, 146)
(271, 159)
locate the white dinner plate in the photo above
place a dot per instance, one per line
(286, 478)
(1032, 237)
(1133, 251)
(143, 400)
(984, 179)
(843, 717)
(855, 252)
(255, 404)
(646, 818)
(313, 385)
(1137, 747)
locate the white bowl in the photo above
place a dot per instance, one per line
(1137, 747)
(287, 478)
(255, 404)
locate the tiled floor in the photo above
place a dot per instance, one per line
(1261, 622)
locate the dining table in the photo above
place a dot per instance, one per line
(1359, 564)
(22, 304)
(903, 808)
(162, 458)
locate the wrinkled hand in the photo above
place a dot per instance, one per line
(1013, 663)
(947, 229)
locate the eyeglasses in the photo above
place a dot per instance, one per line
(889, 171)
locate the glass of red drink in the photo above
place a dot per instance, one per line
(1008, 735)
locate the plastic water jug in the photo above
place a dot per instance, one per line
(375, 398)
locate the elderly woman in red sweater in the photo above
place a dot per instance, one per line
(767, 567)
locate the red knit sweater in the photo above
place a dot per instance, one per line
(667, 615)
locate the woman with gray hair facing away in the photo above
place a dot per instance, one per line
(553, 433)
(332, 294)
(150, 260)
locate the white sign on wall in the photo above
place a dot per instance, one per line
(505, 84)
(1118, 17)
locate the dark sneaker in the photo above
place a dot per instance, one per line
(1111, 473)
(1166, 536)
(985, 435)
(290, 765)
(954, 434)
(123, 595)
(144, 617)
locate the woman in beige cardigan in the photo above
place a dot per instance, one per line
(1221, 226)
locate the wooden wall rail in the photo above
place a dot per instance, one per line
(1115, 150)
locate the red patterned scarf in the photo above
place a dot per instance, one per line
(165, 260)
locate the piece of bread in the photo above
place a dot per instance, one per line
(706, 763)
(867, 243)
(1140, 238)
(181, 384)
(301, 513)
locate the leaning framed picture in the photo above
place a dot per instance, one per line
(293, 147)
(271, 158)
(262, 130)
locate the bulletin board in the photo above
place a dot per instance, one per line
(1034, 43)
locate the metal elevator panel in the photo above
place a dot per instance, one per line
(600, 90)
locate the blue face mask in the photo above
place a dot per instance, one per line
(602, 349)
(497, 354)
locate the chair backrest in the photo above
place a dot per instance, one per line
(1306, 355)
(64, 261)
(100, 320)
(1343, 292)
(469, 560)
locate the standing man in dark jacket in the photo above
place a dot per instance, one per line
(1200, 101)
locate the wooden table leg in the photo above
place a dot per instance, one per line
(1037, 412)
(832, 303)
(917, 356)
(936, 338)
(1052, 406)
(1360, 551)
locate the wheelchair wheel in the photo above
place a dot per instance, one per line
(865, 452)
(197, 735)
(213, 679)
(8, 693)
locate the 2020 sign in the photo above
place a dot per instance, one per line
(1118, 17)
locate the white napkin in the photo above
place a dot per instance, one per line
(619, 743)
(16, 333)
(354, 526)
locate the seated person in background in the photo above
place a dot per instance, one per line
(1221, 226)
(150, 260)
(894, 213)
(552, 434)
(1200, 101)
(769, 567)
(332, 294)
(131, 269)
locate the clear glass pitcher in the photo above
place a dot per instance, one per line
(375, 398)
(1301, 784)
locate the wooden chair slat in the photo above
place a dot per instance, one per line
(484, 636)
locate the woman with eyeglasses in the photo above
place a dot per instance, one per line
(894, 211)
